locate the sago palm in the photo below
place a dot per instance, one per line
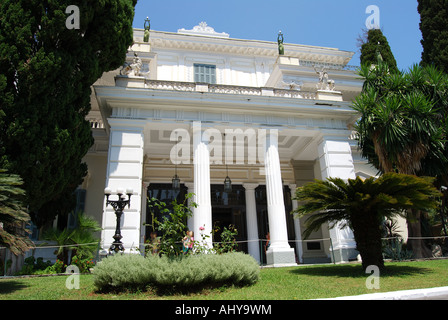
(363, 205)
(13, 214)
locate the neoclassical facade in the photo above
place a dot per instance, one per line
(202, 106)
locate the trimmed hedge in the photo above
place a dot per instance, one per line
(185, 273)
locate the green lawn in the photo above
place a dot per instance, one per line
(295, 283)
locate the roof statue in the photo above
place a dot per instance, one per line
(324, 83)
(147, 26)
(281, 48)
(132, 69)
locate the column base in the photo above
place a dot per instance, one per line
(344, 255)
(281, 257)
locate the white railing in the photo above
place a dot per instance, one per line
(223, 89)
(227, 89)
(294, 94)
(170, 85)
(96, 123)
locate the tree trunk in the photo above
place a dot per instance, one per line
(418, 246)
(367, 232)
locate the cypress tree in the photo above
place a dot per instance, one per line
(434, 28)
(376, 47)
(46, 74)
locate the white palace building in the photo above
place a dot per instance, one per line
(202, 106)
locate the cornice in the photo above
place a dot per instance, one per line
(160, 40)
(243, 106)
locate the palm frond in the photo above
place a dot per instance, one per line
(335, 200)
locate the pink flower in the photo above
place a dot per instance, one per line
(201, 228)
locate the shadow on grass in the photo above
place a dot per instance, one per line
(356, 271)
(169, 290)
(9, 286)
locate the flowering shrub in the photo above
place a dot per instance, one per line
(58, 267)
(228, 241)
(84, 265)
(173, 225)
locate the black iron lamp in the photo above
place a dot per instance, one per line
(118, 206)
(227, 182)
(176, 181)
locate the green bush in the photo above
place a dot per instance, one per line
(84, 265)
(183, 273)
(34, 266)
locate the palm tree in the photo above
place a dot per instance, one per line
(400, 122)
(80, 241)
(13, 214)
(403, 127)
(363, 205)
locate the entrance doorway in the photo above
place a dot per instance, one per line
(222, 217)
(263, 220)
(229, 209)
(163, 192)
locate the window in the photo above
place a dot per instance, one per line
(205, 73)
(80, 204)
(314, 245)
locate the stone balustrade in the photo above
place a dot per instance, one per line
(144, 83)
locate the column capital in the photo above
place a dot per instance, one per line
(124, 123)
(190, 186)
(292, 186)
(250, 186)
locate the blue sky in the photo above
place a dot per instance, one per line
(328, 23)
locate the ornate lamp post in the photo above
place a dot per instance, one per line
(118, 206)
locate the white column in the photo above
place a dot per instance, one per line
(253, 244)
(335, 159)
(279, 251)
(190, 220)
(145, 186)
(297, 228)
(124, 171)
(203, 212)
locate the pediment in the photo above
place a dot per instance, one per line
(202, 29)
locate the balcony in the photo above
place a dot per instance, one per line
(144, 83)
